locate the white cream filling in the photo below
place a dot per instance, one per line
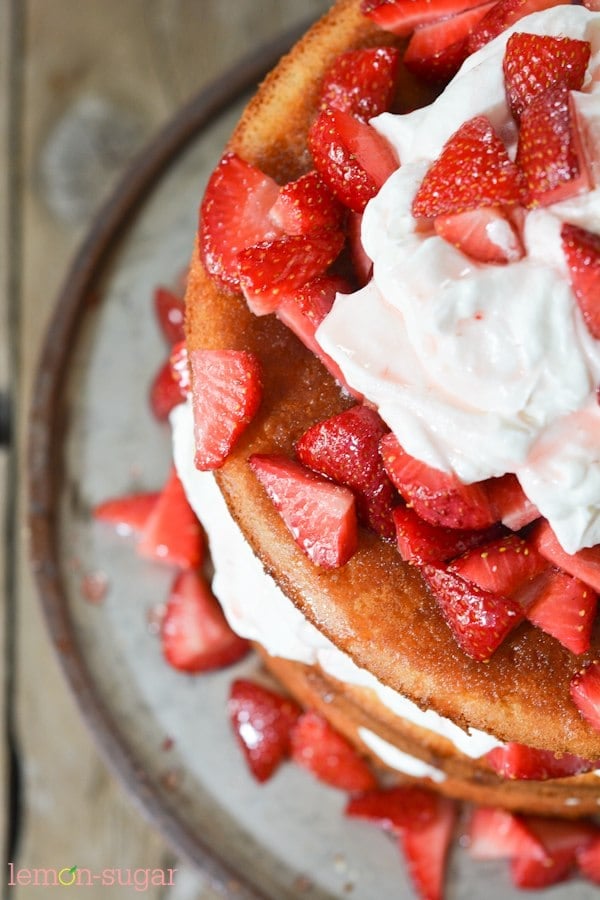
(397, 759)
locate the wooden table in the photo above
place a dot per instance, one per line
(83, 85)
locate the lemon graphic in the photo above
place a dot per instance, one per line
(67, 877)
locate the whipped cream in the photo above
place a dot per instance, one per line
(397, 759)
(481, 369)
(257, 609)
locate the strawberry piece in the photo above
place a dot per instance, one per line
(566, 609)
(485, 234)
(588, 860)
(594, 5)
(502, 566)
(351, 157)
(585, 693)
(235, 215)
(438, 497)
(473, 170)
(502, 15)
(498, 834)
(549, 150)
(329, 756)
(562, 842)
(306, 204)
(422, 543)
(514, 760)
(195, 636)
(403, 16)
(172, 533)
(346, 449)
(361, 82)
(180, 368)
(582, 251)
(436, 51)
(585, 564)
(273, 268)
(533, 63)
(361, 263)
(512, 507)
(262, 721)
(128, 514)
(165, 392)
(170, 313)
(320, 515)
(226, 394)
(479, 620)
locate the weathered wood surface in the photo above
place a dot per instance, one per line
(82, 87)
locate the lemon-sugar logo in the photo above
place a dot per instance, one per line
(67, 877)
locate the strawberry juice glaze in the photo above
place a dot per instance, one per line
(482, 369)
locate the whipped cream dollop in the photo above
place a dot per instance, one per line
(482, 369)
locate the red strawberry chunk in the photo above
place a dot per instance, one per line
(271, 269)
(195, 636)
(226, 394)
(582, 251)
(320, 515)
(498, 834)
(346, 449)
(585, 693)
(438, 497)
(361, 263)
(512, 507)
(534, 874)
(180, 368)
(361, 82)
(402, 16)
(504, 14)
(422, 543)
(588, 860)
(479, 620)
(165, 392)
(562, 842)
(566, 609)
(473, 170)
(170, 312)
(528, 764)
(235, 215)
(306, 204)
(351, 157)
(533, 63)
(128, 514)
(549, 150)
(585, 564)
(502, 566)
(426, 849)
(172, 533)
(485, 234)
(328, 755)
(262, 721)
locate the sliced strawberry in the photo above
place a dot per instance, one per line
(320, 515)
(582, 251)
(306, 204)
(514, 760)
(180, 368)
(403, 16)
(328, 755)
(128, 514)
(422, 543)
(588, 860)
(352, 158)
(262, 721)
(508, 499)
(361, 263)
(439, 498)
(361, 82)
(562, 842)
(502, 566)
(172, 533)
(566, 609)
(585, 564)
(594, 5)
(170, 312)
(436, 51)
(226, 393)
(498, 834)
(235, 215)
(394, 809)
(195, 636)
(346, 449)
(504, 14)
(165, 392)
(473, 170)
(533, 63)
(485, 234)
(585, 693)
(272, 269)
(479, 620)
(549, 151)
